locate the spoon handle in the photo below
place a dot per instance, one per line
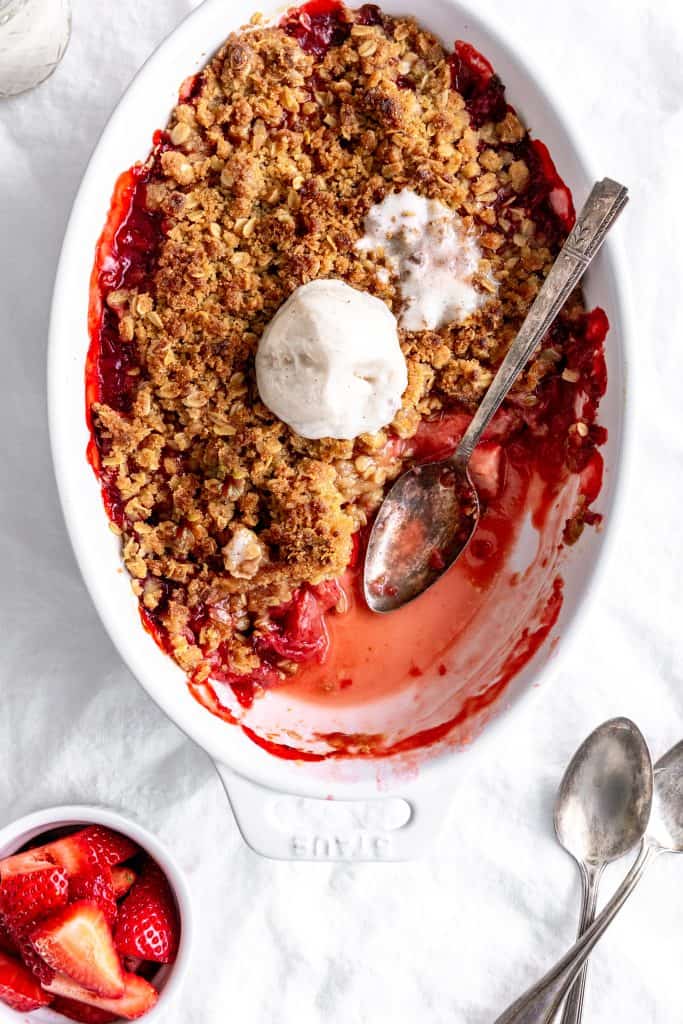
(540, 1003)
(590, 883)
(603, 206)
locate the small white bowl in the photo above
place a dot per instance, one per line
(170, 978)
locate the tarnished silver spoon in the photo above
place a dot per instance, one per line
(664, 835)
(431, 512)
(602, 811)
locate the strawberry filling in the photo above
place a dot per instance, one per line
(297, 631)
(477, 83)
(544, 437)
(317, 26)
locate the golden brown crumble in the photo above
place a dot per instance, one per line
(271, 169)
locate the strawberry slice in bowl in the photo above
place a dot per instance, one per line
(96, 885)
(82, 1012)
(7, 943)
(24, 901)
(77, 941)
(122, 878)
(19, 989)
(137, 999)
(148, 926)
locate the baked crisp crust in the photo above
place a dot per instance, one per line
(261, 184)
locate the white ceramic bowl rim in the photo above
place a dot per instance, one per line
(125, 140)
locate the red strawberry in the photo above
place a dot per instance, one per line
(148, 925)
(24, 863)
(145, 968)
(138, 996)
(24, 900)
(122, 880)
(18, 988)
(82, 1012)
(77, 941)
(96, 886)
(42, 971)
(7, 943)
(92, 845)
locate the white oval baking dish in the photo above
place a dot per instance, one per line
(251, 775)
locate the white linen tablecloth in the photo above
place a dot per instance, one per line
(455, 938)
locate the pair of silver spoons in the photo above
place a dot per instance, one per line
(611, 799)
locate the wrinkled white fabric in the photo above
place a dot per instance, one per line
(455, 938)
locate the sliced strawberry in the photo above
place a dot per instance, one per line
(18, 988)
(92, 845)
(138, 996)
(145, 968)
(439, 437)
(7, 943)
(122, 880)
(42, 971)
(328, 594)
(591, 478)
(82, 1012)
(148, 925)
(297, 631)
(488, 469)
(25, 900)
(95, 885)
(24, 863)
(77, 940)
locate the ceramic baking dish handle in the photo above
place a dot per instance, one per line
(253, 807)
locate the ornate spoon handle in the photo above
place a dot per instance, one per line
(590, 883)
(541, 1002)
(603, 206)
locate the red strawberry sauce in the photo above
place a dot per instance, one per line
(338, 654)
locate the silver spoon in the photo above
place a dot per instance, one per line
(602, 811)
(429, 515)
(664, 835)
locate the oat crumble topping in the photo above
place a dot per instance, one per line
(262, 182)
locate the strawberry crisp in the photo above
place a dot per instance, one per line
(234, 528)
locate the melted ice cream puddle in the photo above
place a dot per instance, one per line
(426, 245)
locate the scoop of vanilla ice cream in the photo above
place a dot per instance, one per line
(329, 363)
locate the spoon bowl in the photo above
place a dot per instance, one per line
(665, 832)
(605, 798)
(424, 524)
